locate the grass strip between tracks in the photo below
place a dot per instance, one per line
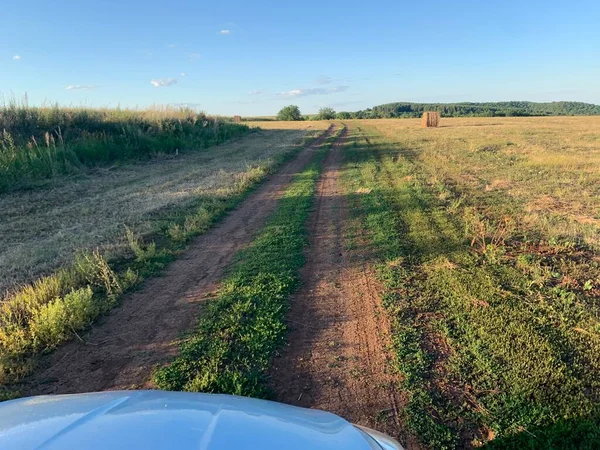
(240, 330)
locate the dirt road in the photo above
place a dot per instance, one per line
(121, 351)
(336, 358)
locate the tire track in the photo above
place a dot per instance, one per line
(337, 358)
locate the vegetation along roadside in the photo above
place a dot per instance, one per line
(52, 310)
(240, 330)
(38, 144)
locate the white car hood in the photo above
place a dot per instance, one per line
(169, 420)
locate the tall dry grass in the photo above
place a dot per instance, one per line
(45, 142)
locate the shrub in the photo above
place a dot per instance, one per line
(46, 313)
(291, 112)
(326, 114)
(54, 322)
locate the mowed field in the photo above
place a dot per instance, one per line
(485, 236)
(441, 284)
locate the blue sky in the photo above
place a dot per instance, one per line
(252, 58)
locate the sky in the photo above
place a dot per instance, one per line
(252, 58)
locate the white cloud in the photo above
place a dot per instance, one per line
(183, 74)
(172, 45)
(313, 91)
(186, 105)
(16, 57)
(323, 79)
(163, 82)
(194, 56)
(292, 93)
(225, 32)
(82, 87)
(255, 92)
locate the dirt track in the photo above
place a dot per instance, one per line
(336, 359)
(121, 350)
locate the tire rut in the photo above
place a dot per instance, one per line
(121, 350)
(338, 356)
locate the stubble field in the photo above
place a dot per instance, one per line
(439, 284)
(486, 238)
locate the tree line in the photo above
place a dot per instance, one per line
(465, 109)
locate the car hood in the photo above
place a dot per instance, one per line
(169, 420)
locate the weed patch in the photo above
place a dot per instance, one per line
(43, 143)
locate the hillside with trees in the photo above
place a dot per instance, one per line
(490, 109)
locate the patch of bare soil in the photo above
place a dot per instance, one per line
(338, 356)
(121, 351)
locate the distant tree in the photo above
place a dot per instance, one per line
(343, 115)
(326, 114)
(291, 112)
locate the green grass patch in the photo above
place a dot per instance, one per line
(240, 330)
